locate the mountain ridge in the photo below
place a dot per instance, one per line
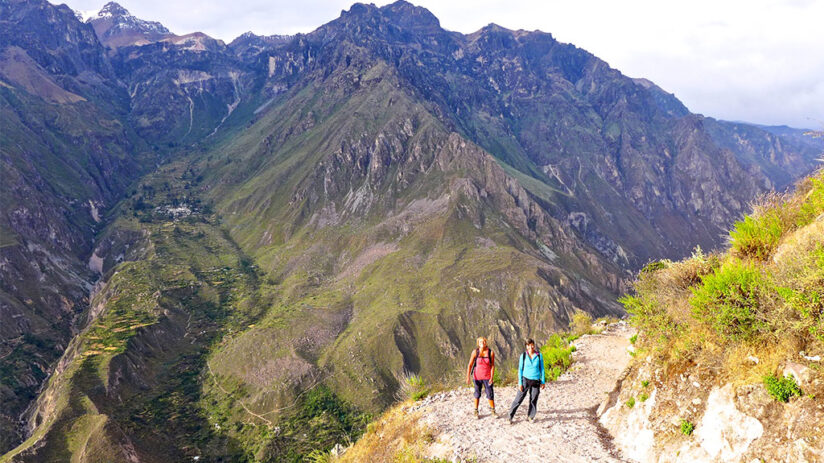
(317, 166)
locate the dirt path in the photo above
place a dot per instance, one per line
(565, 429)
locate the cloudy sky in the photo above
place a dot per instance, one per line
(760, 61)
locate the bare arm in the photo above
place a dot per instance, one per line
(492, 364)
(469, 367)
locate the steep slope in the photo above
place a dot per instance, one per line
(729, 350)
(67, 155)
(564, 120)
(335, 207)
(248, 46)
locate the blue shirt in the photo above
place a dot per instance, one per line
(531, 368)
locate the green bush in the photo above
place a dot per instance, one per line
(728, 300)
(686, 427)
(757, 237)
(655, 265)
(813, 206)
(651, 318)
(633, 339)
(643, 397)
(645, 383)
(806, 294)
(630, 403)
(782, 388)
(557, 354)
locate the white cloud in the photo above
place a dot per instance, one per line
(752, 60)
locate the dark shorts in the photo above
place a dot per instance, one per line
(490, 392)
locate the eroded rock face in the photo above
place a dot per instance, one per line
(724, 433)
(732, 423)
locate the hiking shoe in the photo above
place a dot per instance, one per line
(476, 414)
(494, 413)
(511, 420)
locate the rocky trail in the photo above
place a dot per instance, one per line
(565, 429)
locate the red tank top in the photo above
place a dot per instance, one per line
(483, 366)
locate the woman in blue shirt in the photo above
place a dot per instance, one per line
(530, 377)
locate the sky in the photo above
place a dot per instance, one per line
(759, 61)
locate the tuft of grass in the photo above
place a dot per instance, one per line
(643, 397)
(630, 403)
(633, 338)
(686, 427)
(645, 384)
(318, 456)
(757, 236)
(655, 265)
(413, 387)
(782, 388)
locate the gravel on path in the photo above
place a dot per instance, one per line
(565, 429)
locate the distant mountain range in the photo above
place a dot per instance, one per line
(203, 243)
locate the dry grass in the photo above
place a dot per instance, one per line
(397, 436)
(581, 323)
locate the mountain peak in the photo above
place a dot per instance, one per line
(401, 13)
(407, 14)
(116, 27)
(113, 9)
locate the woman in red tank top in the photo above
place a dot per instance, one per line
(481, 370)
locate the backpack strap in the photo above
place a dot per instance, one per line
(475, 363)
(523, 360)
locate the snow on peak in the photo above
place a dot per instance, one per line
(123, 20)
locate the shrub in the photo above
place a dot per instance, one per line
(686, 427)
(643, 397)
(645, 383)
(782, 388)
(497, 378)
(633, 338)
(651, 318)
(581, 323)
(813, 205)
(655, 265)
(757, 236)
(728, 300)
(630, 403)
(557, 354)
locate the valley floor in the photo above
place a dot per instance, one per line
(565, 429)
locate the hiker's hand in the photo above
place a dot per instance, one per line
(467, 381)
(543, 385)
(491, 381)
(521, 388)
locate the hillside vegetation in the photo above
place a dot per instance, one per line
(762, 298)
(728, 358)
